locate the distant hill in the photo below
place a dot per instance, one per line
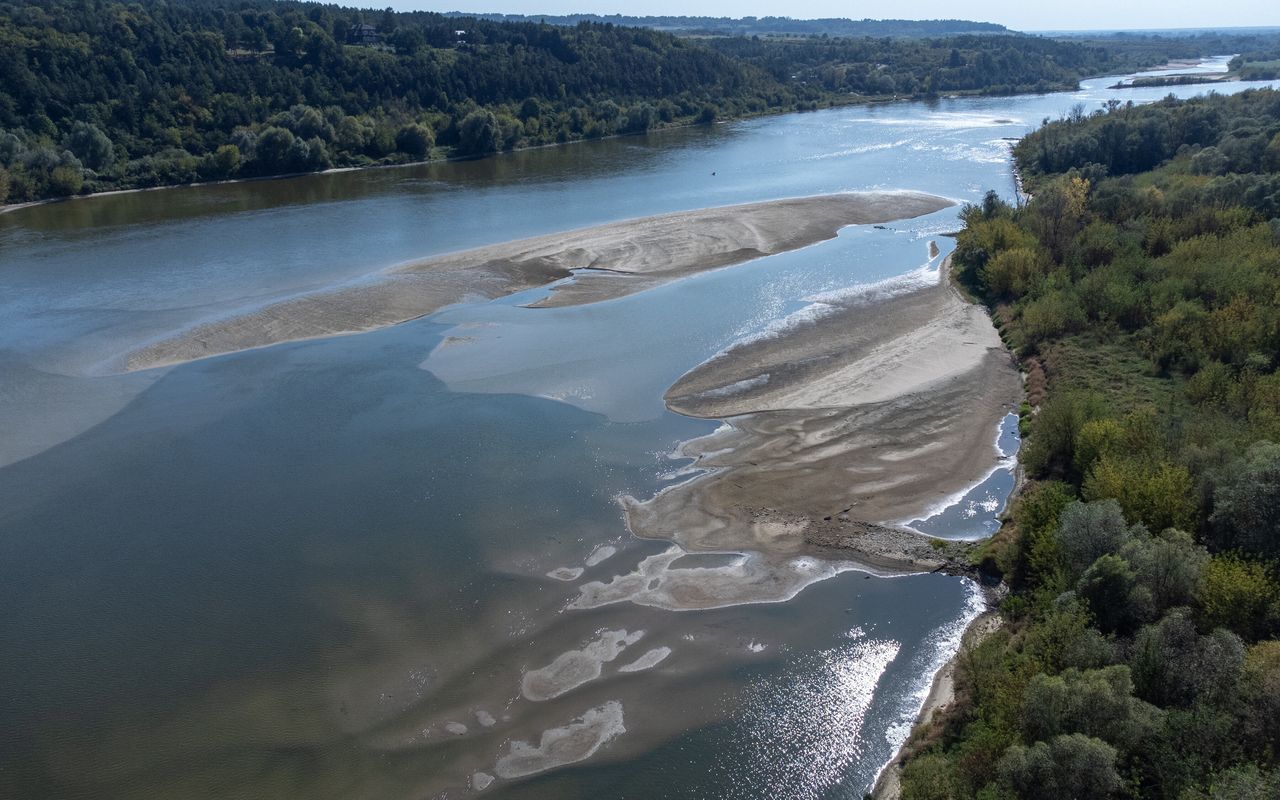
(766, 26)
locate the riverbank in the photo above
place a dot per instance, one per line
(605, 262)
(942, 693)
(837, 101)
(873, 408)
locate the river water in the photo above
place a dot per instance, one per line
(345, 568)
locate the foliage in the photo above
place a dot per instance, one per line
(1064, 768)
(1097, 703)
(1174, 665)
(108, 94)
(1246, 499)
(1088, 531)
(1142, 284)
(1241, 596)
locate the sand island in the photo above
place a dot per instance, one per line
(873, 411)
(605, 261)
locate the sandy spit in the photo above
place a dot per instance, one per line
(869, 416)
(623, 258)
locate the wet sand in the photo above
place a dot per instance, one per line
(614, 260)
(876, 411)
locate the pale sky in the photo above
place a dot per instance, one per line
(1017, 14)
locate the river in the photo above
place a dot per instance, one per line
(344, 568)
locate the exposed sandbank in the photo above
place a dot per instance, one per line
(839, 430)
(576, 667)
(576, 741)
(622, 258)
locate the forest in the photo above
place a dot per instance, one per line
(1140, 289)
(771, 26)
(927, 67)
(101, 94)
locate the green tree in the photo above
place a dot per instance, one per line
(1097, 703)
(222, 163)
(1090, 530)
(479, 133)
(1174, 665)
(1261, 697)
(1246, 502)
(276, 150)
(1168, 566)
(1068, 767)
(1036, 512)
(65, 180)
(1157, 495)
(1241, 596)
(415, 140)
(928, 777)
(91, 146)
(1110, 589)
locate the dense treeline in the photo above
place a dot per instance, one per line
(994, 65)
(1141, 651)
(107, 94)
(1257, 64)
(149, 93)
(771, 26)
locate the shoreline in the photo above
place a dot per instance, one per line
(942, 692)
(835, 102)
(605, 261)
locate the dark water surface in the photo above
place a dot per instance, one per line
(319, 570)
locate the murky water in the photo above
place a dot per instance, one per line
(348, 568)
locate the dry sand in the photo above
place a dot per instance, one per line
(621, 258)
(839, 430)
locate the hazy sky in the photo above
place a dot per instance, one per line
(1017, 14)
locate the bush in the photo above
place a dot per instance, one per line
(1049, 317)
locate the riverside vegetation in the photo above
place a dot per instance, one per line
(100, 94)
(1141, 288)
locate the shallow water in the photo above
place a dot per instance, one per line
(321, 569)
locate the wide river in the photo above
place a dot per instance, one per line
(321, 569)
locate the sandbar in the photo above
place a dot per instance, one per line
(605, 262)
(839, 429)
